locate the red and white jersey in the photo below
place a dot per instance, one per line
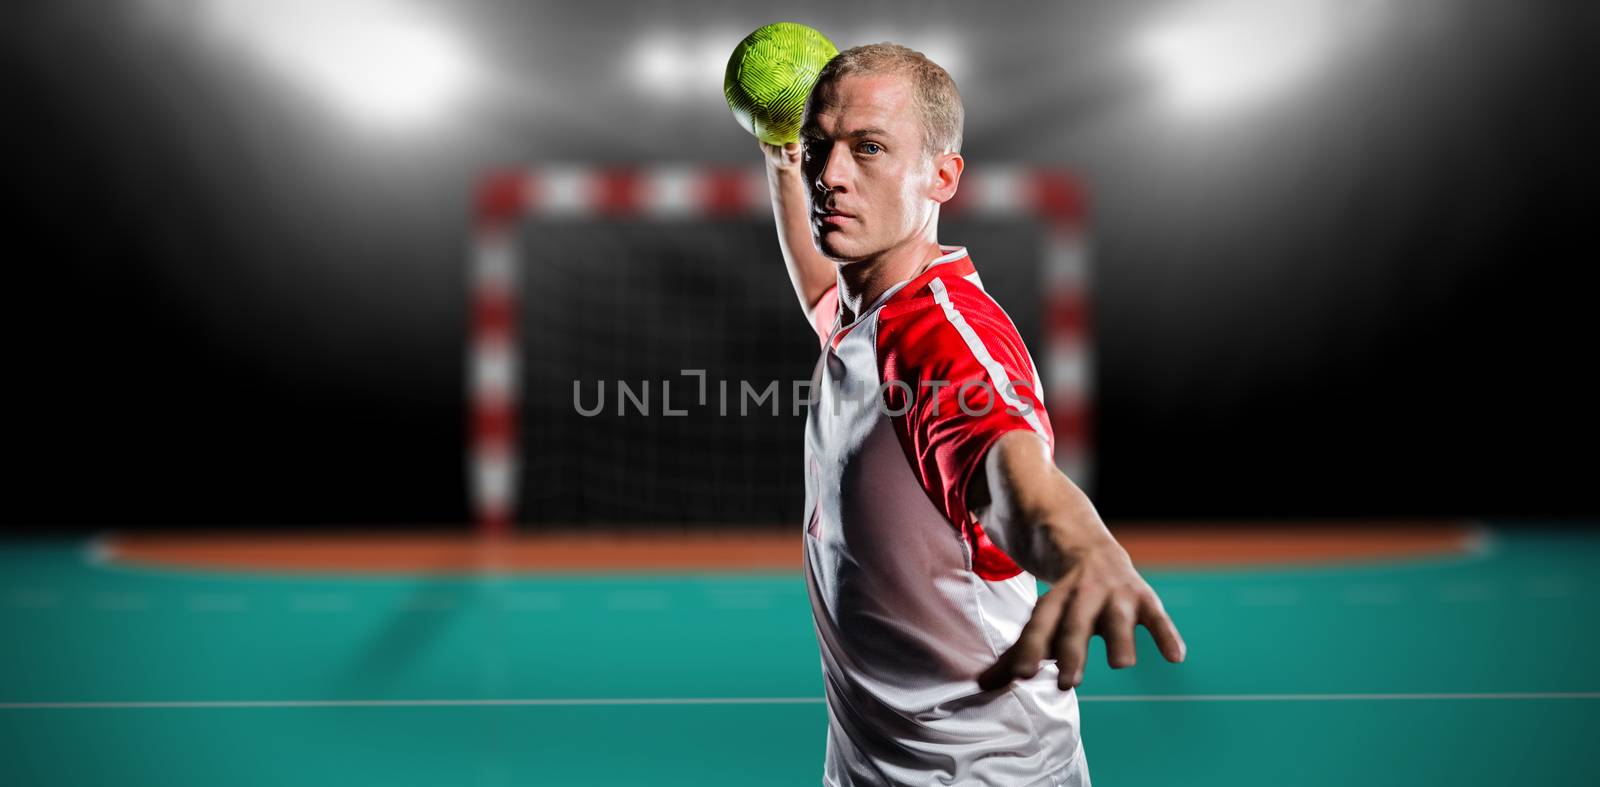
(910, 598)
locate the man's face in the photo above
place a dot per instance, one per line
(866, 166)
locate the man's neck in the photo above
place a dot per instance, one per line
(861, 283)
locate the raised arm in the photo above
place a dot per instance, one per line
(810, 272)
(1033, 512)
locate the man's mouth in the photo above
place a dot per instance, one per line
(833, 216)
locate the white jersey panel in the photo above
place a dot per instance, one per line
(903, 622)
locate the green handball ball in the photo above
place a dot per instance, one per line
(770, 75)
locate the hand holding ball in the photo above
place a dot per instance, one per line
(771, 74)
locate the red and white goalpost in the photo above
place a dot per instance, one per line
(666, 192)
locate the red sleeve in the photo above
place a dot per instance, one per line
(938, 353)
(826, 311)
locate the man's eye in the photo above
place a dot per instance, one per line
(871, 148)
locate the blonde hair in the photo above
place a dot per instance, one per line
(935, 92)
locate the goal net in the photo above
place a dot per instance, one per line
(637, 358)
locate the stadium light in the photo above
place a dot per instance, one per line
(657, 65)
(945, 50)
(382, 61)
(666, 64)
(1220, 55)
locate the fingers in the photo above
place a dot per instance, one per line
(1022, 659)
(785, 154)
(1068, 616)
(1072, 641)
(1154, 617)
(1116, 628)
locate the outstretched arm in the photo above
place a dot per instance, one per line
(810, 272)
(1048, 526)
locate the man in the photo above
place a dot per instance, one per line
(932, 501)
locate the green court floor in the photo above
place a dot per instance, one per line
(1474, 670)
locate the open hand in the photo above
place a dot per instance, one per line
(1100, 594)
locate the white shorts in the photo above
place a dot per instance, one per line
(1076, 774)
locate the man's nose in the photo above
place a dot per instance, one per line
(835, 170)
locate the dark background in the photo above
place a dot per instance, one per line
(1366, 291)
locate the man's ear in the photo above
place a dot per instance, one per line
(946, 176)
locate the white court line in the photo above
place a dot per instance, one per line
(1275, 596)
(216, 602)
(1467, 592)
(430, 602)
(1560, 586)
(590, 701)
(1374, 594)
(121, 602)
(313, 603)
(532, 602)
(1500, 695)
(33, 598)
(638, 600)
(1177, 596)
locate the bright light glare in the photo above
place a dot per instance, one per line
(658, 65)
(380, 60)
(944, 50)
(1227, 53)
(666, 65)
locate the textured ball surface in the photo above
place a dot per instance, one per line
(771, 74)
